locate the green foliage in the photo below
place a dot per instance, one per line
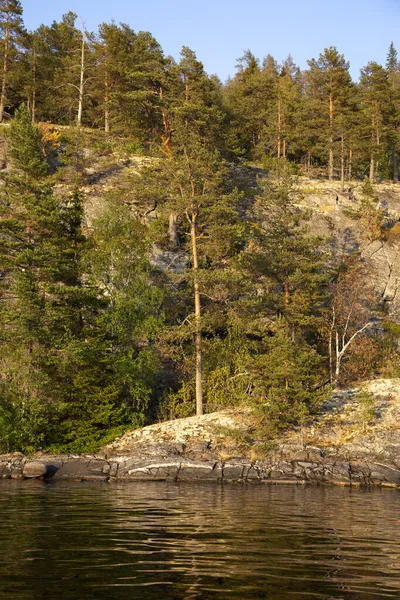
(78, 317)
(177, 404)
(93, 338)
(392, 328)
(368, 213)
(366, 403)
(134, 148)
(279, 168)
(25, 145)
(286, 262)
(286, 380)
(22, 424)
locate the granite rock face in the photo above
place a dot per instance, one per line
(330, 216)
(360, 470)
(327, 470)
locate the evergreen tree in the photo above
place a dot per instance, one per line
(286, 381)
(375, 97)
(57, 70)
(129, 81)
(61, 385)
(329, 85)
(25, 145)
(245, 98)
(287, 262)
(393, 71)
(132, 319)
(11, 27)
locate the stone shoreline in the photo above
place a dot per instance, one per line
(309, 466)
(337, 448)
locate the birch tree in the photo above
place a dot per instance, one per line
(352, 313)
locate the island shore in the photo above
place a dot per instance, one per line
(338, 448)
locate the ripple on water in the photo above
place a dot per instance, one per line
(171, 542)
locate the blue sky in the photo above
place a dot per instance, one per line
(221, 30)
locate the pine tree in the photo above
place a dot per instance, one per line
(393, 71)
(375, 97)
(60, 385)
(246, 99)
(329, 86)
(129, 82)
(25, 145)
(287, 259)
(11, 26)
(195, 103)
(58, 69)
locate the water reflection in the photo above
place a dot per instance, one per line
(192, 542)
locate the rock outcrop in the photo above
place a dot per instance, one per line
(339, 448)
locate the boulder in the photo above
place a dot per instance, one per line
(34, 470)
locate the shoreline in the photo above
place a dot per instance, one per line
(337, 448)
(93, 468)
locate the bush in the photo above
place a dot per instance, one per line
(366, 403)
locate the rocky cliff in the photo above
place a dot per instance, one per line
(328, 205)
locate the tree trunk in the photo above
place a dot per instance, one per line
(342, 163)
(286, 293)
(168, 131)
(350, 164)
(330, 357)
(33, 109)
(173, 230)
(279, 140)
(372, 159)
(372, 169)
(197, 308)
(284, 148)
(186, 88)
(338, 361)
(106, 105)
(5, 65)
(106, 92)
(395, 164)
(330, 166)
(378, 143)
(82, 79)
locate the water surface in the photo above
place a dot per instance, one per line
(156, 541)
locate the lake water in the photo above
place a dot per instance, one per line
(157, 541)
